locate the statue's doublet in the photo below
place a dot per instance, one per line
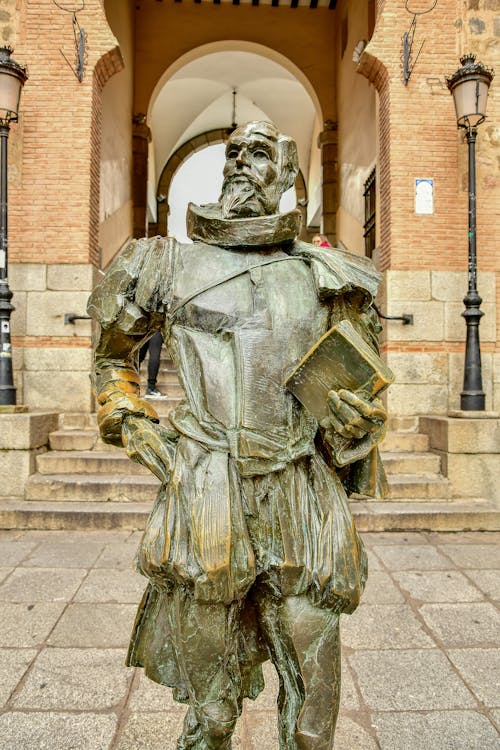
(249, 494)
(234, 344)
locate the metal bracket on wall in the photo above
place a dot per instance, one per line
(69, 318)
(80, 39)
(407, 61)
(405, 318)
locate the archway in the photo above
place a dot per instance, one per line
(192, 106)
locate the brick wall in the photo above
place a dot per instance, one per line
(55, 200)
(425, 256)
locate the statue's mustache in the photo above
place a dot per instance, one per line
(243, 177)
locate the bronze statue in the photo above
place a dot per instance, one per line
(250, 549)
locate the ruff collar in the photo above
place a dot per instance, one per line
(206, 224)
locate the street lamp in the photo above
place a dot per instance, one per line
(12, 79)
(469, 86)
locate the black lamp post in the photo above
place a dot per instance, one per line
(469, 86)
(12, 79)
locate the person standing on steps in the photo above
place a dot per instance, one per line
(153, 346)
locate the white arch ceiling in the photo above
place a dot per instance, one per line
(197, 97)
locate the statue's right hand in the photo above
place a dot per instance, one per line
(149, 444)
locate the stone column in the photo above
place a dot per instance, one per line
(141, 137)
(328, 143)
(163, 210)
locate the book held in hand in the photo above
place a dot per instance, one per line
(340, 359)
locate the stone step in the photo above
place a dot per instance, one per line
(77, 421)
(168, 376)
(106, 488)
(131, 487)
(411, 463)
(421, 487)
(163, 406)
(73, 440)
(403, 424)
(457, 515)
(405, 442)
(172, 392)
(89, 462)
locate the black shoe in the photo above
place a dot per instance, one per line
(155, 393)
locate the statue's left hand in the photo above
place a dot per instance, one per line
(355, 425)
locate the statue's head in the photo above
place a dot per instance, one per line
(261, 164)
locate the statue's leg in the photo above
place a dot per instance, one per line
(205, 638)
(305, 646)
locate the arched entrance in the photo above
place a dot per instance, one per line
(196, 104)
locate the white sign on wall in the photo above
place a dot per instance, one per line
(424, 196)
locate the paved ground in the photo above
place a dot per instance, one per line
(421, 664)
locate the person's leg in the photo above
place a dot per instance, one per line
(142, 352)
(205, 639)
(155, 344)
(305, 647)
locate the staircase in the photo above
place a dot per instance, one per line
(81, 482)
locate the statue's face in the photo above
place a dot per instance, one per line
(251, 176)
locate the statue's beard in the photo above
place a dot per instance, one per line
(244, 196)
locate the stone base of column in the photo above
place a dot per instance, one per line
(23, 436)
(469, 446)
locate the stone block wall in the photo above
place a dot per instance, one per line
(51, 360)
(428, 357)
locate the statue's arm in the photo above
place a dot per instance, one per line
(357, 422)
(124, 418)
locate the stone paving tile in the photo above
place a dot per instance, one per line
(95, 626)
(108, 585)
(374, 563)
(149, 696)
(411, 557)
(88, 535)
(409, 680)
(151, 731)
(4, 572)
(135, 537)
(473, 555)
(380, 589)
(438, 586)
(495, 718)
(56, 731)
(462, 625)
(41, 584)
(488, 581)
(117, 555)
(349, 698)
(29, 625)
(439, 730)
(463, 537)
(266, 701)
(10, 534)
(13, 664)
(261, 731)
(78, 679)
(480, 668)
(384, 626)
(12, 552)
(393, 537)
(349, 735)
(77, 553)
